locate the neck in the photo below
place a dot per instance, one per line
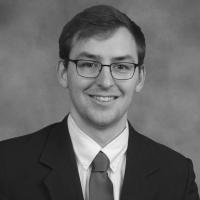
(101, 134)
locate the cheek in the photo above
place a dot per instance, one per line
(128, 88)
(129, 97)
(73, 80)
(77, 85)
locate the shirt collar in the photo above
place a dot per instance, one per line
(86, 148)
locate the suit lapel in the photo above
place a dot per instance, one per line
(141, 169)
(63, 180)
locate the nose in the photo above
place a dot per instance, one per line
(105, 79)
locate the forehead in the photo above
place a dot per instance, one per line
(117, 44)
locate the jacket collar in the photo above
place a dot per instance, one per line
(141, 168)
(63, 180)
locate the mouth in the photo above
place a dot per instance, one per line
(103, 99)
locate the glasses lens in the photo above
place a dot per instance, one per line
(87, 68)
(122, 70)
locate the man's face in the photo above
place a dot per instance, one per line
(102, 102)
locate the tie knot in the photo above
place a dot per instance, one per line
(100, 163)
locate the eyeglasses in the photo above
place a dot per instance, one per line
(91, 69)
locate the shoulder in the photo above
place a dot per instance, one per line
(164, 155)
(27, 143)
(163, 163)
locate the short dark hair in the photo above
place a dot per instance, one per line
(99, 20)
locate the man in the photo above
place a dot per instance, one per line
(94, 153)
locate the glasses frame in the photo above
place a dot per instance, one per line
(75, 61)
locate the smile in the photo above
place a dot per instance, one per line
(103, 98)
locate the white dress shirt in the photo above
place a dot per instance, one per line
(86, 150)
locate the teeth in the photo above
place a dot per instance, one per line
(104, 99)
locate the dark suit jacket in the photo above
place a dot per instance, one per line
(42, 166)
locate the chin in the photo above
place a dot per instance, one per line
(103, 120)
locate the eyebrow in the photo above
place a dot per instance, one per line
(88, 55)
(98, 58)
(122, 58)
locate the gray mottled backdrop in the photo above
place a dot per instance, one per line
(168, 108)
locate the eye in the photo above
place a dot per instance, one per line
(86, 64)
(122, 66)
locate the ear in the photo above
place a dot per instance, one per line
(141, 79)
(62, 74)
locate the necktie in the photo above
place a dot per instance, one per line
(100, 186)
